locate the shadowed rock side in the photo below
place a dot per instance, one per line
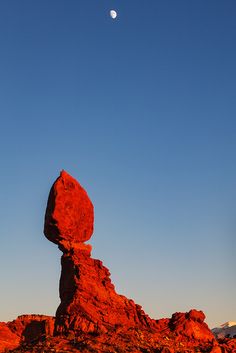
(92, 317)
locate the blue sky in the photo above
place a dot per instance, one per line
(141, 110)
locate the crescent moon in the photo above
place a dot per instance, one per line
(113, 14)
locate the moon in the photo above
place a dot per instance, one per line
(113, 14)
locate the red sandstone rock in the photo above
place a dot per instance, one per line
(25, 329)
(32, 327)
(188, 326)
(191, 325)
(69, 214)
(216, 349)
(89, 302)
(8, 339)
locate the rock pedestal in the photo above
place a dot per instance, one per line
(89, 302)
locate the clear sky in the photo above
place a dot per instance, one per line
(142, 111)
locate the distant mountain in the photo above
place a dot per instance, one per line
(228, 329)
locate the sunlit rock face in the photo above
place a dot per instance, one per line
(69, 215)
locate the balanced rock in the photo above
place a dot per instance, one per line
(89, 302)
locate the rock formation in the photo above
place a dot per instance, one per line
(26, 329)
(92, 317)
(89, 302)
(32, 327)
(188, 325)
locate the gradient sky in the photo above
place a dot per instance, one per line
(142, 111)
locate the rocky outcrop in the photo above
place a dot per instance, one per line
(25, 329)
(32, 327)
(188, 325)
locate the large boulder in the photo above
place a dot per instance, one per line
(69, 215)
